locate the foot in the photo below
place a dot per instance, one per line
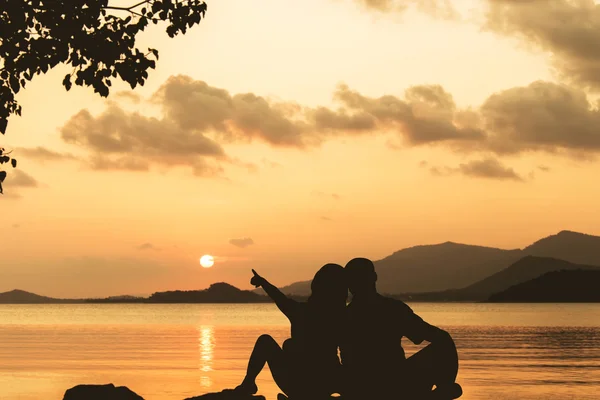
(246, 388)
(449, 392)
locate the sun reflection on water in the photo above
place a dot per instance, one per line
(206, 343)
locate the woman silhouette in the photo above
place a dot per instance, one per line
(308, 365)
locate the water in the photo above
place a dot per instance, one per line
(164, 352)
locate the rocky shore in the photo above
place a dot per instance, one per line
(112, 392)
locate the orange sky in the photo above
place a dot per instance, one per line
(321, 130)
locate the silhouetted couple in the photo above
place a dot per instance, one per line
(368, 333)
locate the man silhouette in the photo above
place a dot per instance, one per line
(372, 355)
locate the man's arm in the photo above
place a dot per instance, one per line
(429, 333)
(442, 350)
(417, 330)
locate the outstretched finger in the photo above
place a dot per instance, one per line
(254, 272)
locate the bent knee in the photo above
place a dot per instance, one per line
(266, 340)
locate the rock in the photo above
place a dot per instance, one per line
(228, 394)
(225, 395)
(101, 392)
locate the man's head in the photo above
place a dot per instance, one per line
(361, 276)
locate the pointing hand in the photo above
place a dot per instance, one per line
(256, 280)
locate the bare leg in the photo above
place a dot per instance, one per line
(266, 350)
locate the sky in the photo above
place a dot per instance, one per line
(282, 135)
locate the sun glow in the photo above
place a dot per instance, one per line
(207, 261)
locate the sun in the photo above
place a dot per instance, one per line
(207, 261)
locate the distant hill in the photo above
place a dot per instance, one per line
(22, 297)
(578, 248)
(216, 293)
(527, 268)
(442, 268)
(566, 286)
(439, 267)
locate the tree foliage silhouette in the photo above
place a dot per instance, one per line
(93, 36)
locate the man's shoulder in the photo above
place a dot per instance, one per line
(383, 303)
(395, 303)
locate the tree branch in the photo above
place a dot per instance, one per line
(126, 8)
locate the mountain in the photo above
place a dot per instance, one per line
(574, 247)
(527, 268)
(566, 286)
(430, 268)
(22, 297)
(441, 268)
(216, 293)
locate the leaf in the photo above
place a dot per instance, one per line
(14, 163)
(2, 176)
(67, 82)
(3, 124)
(14, 84)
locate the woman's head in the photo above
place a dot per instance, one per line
(329, 285)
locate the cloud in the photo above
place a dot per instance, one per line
(147, 246)
(194, 105)
(19, 178)
(325, 218)
(488, 168)
(198, 120)
(125, 163)
(543, 116)
(16, 226)
(544, 168)
(120, 140)
(436, 8)
(426, 115)
(42, 154)
(241, 243)
(567, 29)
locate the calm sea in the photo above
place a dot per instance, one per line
(164, 352)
